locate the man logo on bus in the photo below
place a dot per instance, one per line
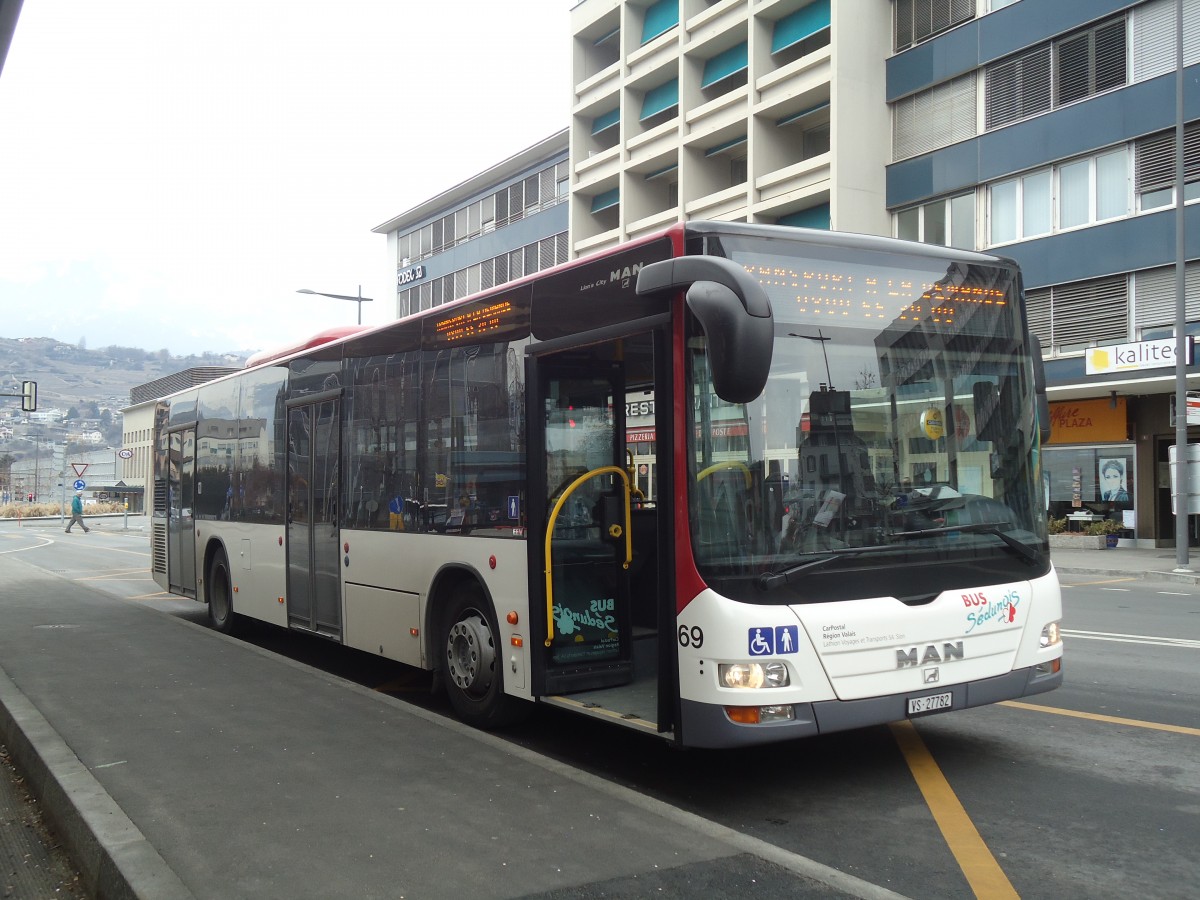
(625, 275)
(906, 659)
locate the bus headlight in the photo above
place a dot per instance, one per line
(753, 675)
(1050, 635)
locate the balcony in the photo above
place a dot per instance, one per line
(801, 179)
(810, 74)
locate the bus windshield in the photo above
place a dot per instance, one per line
(898, 428)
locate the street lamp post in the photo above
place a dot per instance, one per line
(360, 299)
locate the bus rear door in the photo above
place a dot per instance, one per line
(181, 522)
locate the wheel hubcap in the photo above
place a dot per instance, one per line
(470, 655)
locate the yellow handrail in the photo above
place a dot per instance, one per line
(616, 470)
(634, 489)
(727, 464)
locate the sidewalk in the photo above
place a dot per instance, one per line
(174, 762)
(1145, 563)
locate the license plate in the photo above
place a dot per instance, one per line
(930, 703)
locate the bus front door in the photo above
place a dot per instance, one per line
(581, 543)
(181, 523)
(313, 491)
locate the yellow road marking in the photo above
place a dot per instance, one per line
(139, 574)
(983, 873)
(160, 595)
(1090, 583)
(1096, 717)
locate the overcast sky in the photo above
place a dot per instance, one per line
(171, 173)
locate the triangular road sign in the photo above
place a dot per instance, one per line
(79, 468)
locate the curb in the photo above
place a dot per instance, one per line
(1171, 577)
(114, 858)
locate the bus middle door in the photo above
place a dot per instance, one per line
(580, 550)
(313, 492)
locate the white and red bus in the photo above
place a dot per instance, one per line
(726, 485)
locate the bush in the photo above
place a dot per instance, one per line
(1105, 526)
(36, 510)
(1057, 526)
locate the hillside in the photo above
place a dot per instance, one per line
(70, 376)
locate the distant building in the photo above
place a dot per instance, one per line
(508, 221)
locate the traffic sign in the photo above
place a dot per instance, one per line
(80, 484)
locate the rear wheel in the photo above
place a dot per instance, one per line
(220, 594)
(472, 661)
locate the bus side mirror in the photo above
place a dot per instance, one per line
(735, 312)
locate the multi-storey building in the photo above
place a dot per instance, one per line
(767, 112)
(1044, 130)
(508, 221)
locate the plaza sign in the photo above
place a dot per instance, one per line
(1139, 355)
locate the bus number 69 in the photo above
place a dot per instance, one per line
(691, 637)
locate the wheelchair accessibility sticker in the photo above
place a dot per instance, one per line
(770, 641)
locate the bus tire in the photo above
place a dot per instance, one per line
(219, 591)
(472, 661)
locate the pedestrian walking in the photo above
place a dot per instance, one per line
(77, 513)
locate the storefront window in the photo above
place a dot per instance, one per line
(1087, 484)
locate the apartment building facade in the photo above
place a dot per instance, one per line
(508, 221)
(764, 112)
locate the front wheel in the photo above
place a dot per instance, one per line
(473, 663)
(220, 594)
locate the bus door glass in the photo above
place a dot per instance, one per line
(181, 528)
(313, 584)
(585, 495)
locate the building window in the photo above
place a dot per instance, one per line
(1090, 190)
(1080, 314)
(1090, 62)
(945, 222)
(1152, 37)
(934, 118)
(1056, 73)
(917, 20)
(1154, 168)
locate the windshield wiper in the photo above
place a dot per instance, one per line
(770, 580)
(993, 528)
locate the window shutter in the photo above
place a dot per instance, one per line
(1152, 28)
(1018, 88)
(1037, 312)
(1110, 56)
(904, 23)
(545, 253)
(917, 20)
(1091, 61)
(1154, 295)
(1074, 66)
(1154, 159)
(934, 118)
(1096, 310)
